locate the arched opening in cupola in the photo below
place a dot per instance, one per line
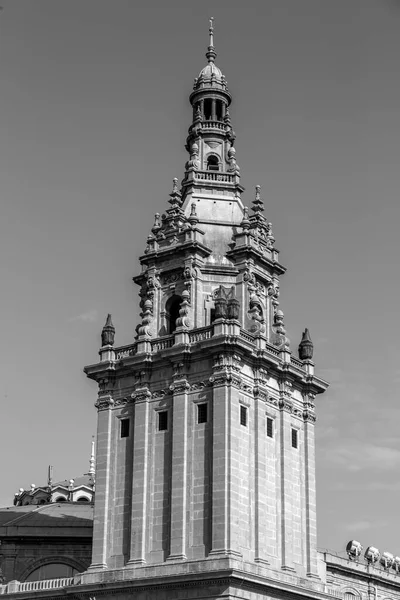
(207, 108)
(212, 163)
(172, 312)
(218, 110)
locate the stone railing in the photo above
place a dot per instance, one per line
(213, 125)
(125, 351)
(205, 333)
(14, 587)
(247, 336)
(296, 362)
(213, 176)
(195, 336)
(162, 343)
(272, 349)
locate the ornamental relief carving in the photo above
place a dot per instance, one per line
(141, 394)
(172, 277)
(285, 404)
(104, 402)
(180, 387)
(309, 416)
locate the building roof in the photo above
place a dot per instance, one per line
(64, 519)
(86, 479)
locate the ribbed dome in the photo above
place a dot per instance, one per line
(211, 69)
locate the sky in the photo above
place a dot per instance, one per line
(93, 120)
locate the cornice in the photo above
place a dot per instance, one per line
(175, 250)
(228, 577)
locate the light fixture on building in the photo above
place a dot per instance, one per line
(396, 564)
(354, 550)
(386, 560)
(372, 555)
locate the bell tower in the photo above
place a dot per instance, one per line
(205, 440)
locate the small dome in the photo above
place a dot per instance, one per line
(209, 70)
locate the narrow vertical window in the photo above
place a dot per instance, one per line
(270, 427)
(294, 438)
(202, 413)
(163, 420)
(243, 416)
(124, 428)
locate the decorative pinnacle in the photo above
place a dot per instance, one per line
(108, 333)
(306, 347)
(258, 205)
(175, 195)
(211, 54)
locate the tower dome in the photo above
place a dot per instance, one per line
(210, 76)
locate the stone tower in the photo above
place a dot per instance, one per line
(205, 441)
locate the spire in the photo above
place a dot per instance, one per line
(211, 54)
(91, 462)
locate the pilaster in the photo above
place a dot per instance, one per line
(140, 476)
(103, 473)
(220, 542)
(180, 390)
(261, 481)
(286, 407)
(310, 489)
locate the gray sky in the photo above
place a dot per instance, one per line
(94, 115)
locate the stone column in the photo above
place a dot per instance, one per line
(140, 477)
(101, 519)
(213, 110)
(179, 470)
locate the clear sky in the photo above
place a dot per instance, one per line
(93, 117)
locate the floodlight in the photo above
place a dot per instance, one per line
(396, 564)
(354, 550)
(371, 555)
(386, 560)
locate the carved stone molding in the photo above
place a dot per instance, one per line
(180, 387)
(104, 402)
(225, 377)
(260, 393)
(141, 394)
(309, 416)
(159, 394)
(285, 404)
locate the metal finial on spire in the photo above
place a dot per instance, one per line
(50, 476)
(211, 54)
(91, 462)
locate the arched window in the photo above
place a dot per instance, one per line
(60, 499)
(51, 571)
(172, 312)
(212, 163)
(82, 499)
(349, 596)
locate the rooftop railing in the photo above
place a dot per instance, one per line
(15, 587)
(214, 176)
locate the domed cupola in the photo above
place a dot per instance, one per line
(210, 97)
(211, 137)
